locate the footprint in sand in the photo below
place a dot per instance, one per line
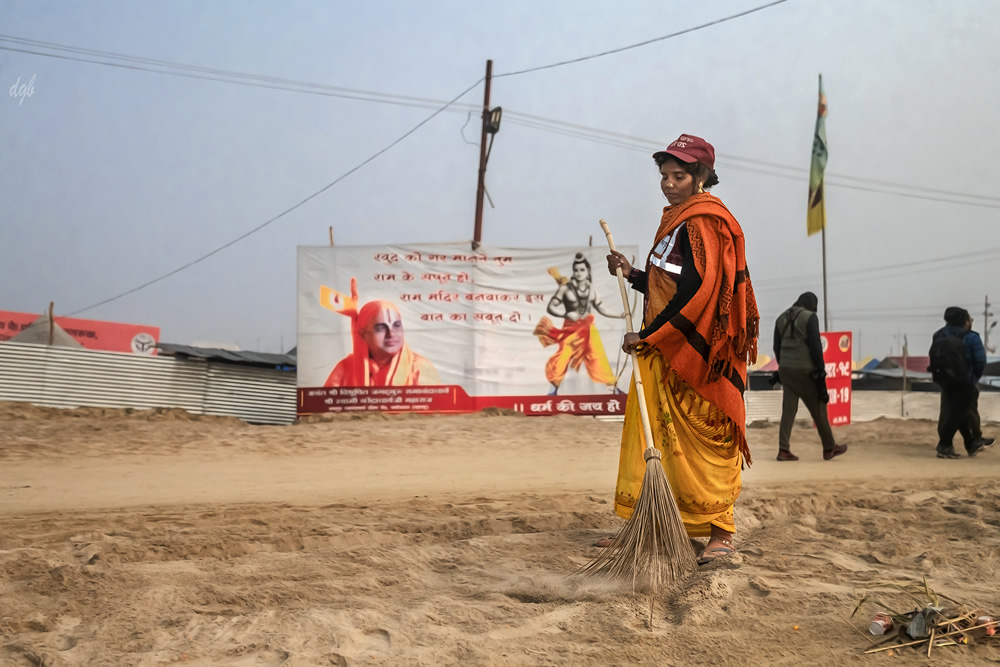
(379, 640)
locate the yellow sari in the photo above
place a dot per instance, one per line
(698, 444)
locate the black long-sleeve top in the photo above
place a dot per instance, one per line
(688, 284)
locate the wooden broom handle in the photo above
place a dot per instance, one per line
(651, 451)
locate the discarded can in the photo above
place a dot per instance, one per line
(983, 620)
(881, 624)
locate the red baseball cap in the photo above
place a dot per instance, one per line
(689, 148)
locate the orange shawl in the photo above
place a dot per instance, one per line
(709, 343)
(407, 369)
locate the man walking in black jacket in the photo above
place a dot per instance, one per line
(802, 373)
(958, 360)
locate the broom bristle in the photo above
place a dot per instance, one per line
(652, 548)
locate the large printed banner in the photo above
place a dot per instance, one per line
(837, 355)
(440, 328)
(91, 334)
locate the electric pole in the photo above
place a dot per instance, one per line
(478, 232)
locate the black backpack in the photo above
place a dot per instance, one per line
(948, 364)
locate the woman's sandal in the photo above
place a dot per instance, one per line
(604, 542)
(705, 559)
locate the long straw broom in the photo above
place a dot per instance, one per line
(652, 547)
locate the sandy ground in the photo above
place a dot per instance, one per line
(159, 538)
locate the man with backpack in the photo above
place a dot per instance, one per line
(798, 348)
(957, 361)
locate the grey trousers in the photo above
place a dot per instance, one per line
(796, 384)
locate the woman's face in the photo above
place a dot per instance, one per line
(677, 184)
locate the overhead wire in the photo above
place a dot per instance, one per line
(834, 183)
(890, 270)
(462, 130)
(764, 286)
(373, 157)
(614, 139)
(278, 216)
(644, 43)
(554, 126)
(222, 76)
(633, 142)
(831, 180)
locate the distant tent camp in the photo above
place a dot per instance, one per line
(42, 330)
(871, 365)
(762, 360)
(913, 364)
(769, 367)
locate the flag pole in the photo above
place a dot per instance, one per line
(826, 311)
(816, 215)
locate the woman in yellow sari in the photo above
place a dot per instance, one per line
(700, 328)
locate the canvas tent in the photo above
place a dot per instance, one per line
(42, 330)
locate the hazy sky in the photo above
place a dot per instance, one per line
(113, 176)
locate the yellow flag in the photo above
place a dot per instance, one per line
(816, 217)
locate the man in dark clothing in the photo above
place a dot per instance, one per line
(958, 376)
(798, 350)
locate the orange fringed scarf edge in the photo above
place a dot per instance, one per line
(716, 418)
(736, 342)
(720, 325)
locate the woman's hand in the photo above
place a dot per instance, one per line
(616, 260)
(631, 342)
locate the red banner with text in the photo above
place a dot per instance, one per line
(837, 354)
(443, 328)
(91, 334)
(444, 398)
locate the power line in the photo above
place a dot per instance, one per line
(862, 179)
(635, 143)
(962, 258)
(892, 310)
(197, 72)
(280, 215)
(576, 135)
(847, 186)
(225, 76)
(630, 143)
(855, 278)
(916, 271)
(242, 78)
(221, 72)
(645, 43)
(554, 126)
(875, 318)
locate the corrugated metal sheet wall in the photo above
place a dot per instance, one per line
(259, 395)
(764, 406)
(69, 377)
(870, 405)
